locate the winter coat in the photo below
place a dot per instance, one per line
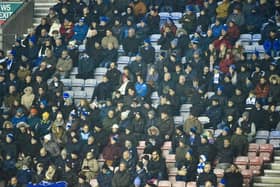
(193, 122)
(131, 45)
(166, 127)
(121, 179)
(66, 65)
(222, 10)
(203, 177)
(112, 152)
(52, 148)
(105, 179)
(157, 168)
(110, 39)
(90, 168)
(28, 97)
(262, 91)
(80, 32)
(239, 144)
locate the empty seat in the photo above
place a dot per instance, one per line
(74, 71)
(245, 37)
(261, 141)
(176, 15)
(256, 37)
(241, 160)
(164, 183)
(266, 148)
(259, 48)
(155, 37)
(185, 107)
(274, 135)
(178, 120)
(78, 82)
(90, 82)
(80, 94)
(254, 147)
(66, 82)
(179, 184)
(249, 48)
(191, 184)
(204, 119)
(275, 143)
(89, 92)
(123, 60)
(256, 161)
(164, 15)
(262, 134)
(100, 71)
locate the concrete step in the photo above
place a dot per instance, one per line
(41, 9)
(40, 15)
(44, 4)
(268, 180)
(277, 152)
(276, 159)
(265, 185)
(271, 173)
(272, 166)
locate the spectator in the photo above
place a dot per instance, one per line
(207, 175)
(239, 143)
(157, 167)
(64, 64)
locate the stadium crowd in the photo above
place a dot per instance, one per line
(46, 137)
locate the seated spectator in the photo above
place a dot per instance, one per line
(122, 176)
(80, 30)
(233, 176)
(64, 64)
(193, 122)
(105, 176)
(187, 168)
(109, 38)
(157, 167)
(131, 43)
(239, 143)
(112, 152)
(225, 155)
(89, 167)
(262, 91)
(207, 175)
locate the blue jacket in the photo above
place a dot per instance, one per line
(141, 89)
(80, 32)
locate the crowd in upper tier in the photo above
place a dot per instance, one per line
(47, 136)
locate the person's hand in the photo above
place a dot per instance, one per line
(167, 137)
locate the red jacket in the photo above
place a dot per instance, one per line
(112, 152)
(262, 91)
(217, 43)
(233, 33)
(225, 63)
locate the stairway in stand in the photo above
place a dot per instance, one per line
(41, 9)
(271, 176)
